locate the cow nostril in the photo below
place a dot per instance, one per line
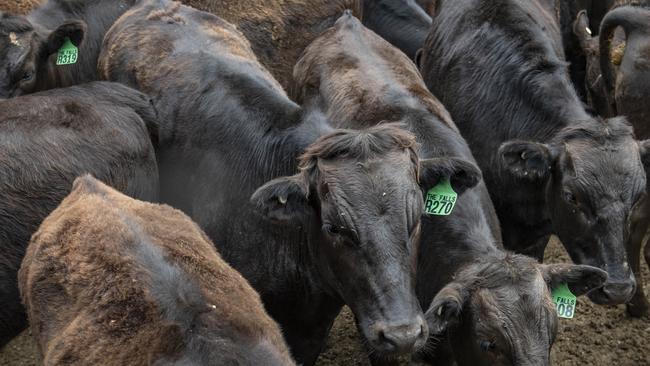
(401, 339)
(619, 292)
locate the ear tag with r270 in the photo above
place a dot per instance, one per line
(440, 199)
(68, 53)
(565, 302)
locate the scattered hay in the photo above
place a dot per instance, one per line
(616, 54)
(20, 7)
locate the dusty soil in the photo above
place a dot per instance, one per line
(596, 336)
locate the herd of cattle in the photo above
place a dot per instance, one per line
(301, 138)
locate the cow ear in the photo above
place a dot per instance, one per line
(461, 173)
(527, 160)
(73, 29)
(581, 29)
(445, 309)
(283, 199)
(581, 279)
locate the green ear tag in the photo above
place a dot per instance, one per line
(565, 302)
(440, 199)
(68, 53)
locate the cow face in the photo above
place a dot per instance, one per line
(593, 179)
(500, 312)
(362, 192)
(25, 52)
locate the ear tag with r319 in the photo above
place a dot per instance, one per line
(441, 199)
(565, 302)
(68, 53)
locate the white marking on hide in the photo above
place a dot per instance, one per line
(13, 38)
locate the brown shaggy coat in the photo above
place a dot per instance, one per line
(384, 90)
(109, 280)
(21, 7)
(279, 30)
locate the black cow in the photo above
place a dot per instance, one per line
(628, 87)
(50, 138)
(469, 282)
(29, 44)
(401, 22)
(342, 230)
(551, 168)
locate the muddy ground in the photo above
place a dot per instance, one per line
(596, 336)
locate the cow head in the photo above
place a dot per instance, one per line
(25, 52)
(499, 311)
(362, 194)
(593, 176)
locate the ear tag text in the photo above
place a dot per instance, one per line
(565, 302)
(441, 199)
(68, 53)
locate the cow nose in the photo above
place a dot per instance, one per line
(614, 292)
(402, 338)
(619, 292)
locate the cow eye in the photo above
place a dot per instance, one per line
(27, 76)
(340, 234)
(570, 198)
(487, 346)
(331, 229)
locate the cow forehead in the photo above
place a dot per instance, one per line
(13, 49)
(395, 167)
(607, 165)
(515, 301)
(384, 185)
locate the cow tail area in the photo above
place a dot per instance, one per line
(630, 18)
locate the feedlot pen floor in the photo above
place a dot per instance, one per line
(598, 335)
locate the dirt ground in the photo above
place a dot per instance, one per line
(596, 336)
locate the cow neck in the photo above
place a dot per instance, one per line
(436, 137)
(462, 238)
(285, 138)
(560, 108)
(468, 229)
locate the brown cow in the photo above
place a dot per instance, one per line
(109, 280)
(21, 7)
(49, 139)
(279, 30)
